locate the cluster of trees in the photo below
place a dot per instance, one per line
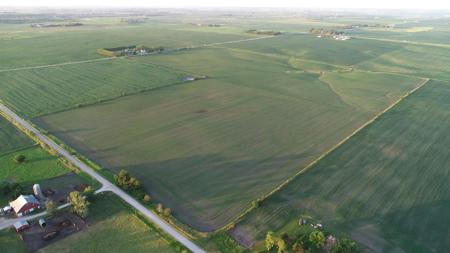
(131, 185)
(163, 211)
(365, 26)
(263, 32)
(134, 187)
(308, 242)
(44, 25)
(11, 190)
(129, 50)
(79, 204)
(322, 32)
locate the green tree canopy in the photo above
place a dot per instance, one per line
(80, 205)
(317, 238)
(270, 240)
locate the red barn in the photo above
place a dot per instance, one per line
(24, 204)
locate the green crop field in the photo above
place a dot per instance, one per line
(25, 46)
(309, 47)
(208, 148)
(10, 138)
(387, 186)
(426, 61)
(39, 91)
(259, 113)
(113, 228)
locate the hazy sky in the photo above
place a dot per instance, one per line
(419, 4)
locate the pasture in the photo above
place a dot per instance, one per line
(38, 167)
(113, 227)
(387, 187)
(10, 242)
(207, 149)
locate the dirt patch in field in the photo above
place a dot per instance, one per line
(37, 237)
(242, 237)
(80, 187)
(201, 111)
(391, 151)
(57, 189)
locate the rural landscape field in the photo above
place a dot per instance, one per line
(226, 130)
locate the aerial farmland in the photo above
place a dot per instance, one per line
(230, 129)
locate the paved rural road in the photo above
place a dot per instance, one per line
(106, 185)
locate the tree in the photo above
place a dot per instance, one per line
(51, 208)
(11, 190)
(159, 208)
(89, 193)
(256, 203)
(80, 205)
(298, 248)
(317, 238)
(281, 244)
(270, 240)
(20, 158)
(147, 198)
(345, 245)
(167, 212)
(124, 180)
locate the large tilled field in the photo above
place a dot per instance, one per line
(208, 148)
(387, 186)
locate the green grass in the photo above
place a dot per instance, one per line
(39, 91)
(207, 149)
(387, 186)
(10, 242)
(113, 228)
(38, 166)
(10, 138)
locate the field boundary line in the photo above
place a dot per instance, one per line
(18, 149)
(416, 43)
(57, 64)
(323, 155)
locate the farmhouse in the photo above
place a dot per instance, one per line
(24, 204)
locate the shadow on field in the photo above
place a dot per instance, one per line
(206, 191)
(62, 132)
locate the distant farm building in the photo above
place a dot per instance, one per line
(24, 205)
(189, 78)
(21, 225)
